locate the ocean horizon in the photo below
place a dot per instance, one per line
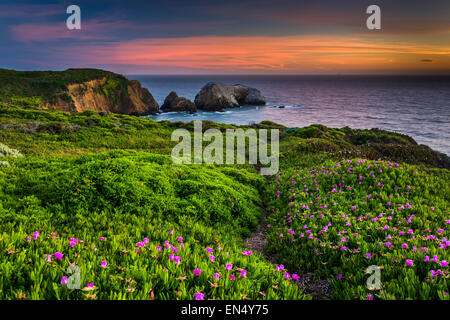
(418, 106)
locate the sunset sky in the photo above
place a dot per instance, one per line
(228, 37)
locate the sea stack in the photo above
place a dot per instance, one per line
(174, 103)
(216, 96)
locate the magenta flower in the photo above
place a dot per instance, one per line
(232, 277)
(199, 296)
(211, 258)
(339, 276)
(409, 262)
(102, 239)
(287, 275)
(180, 239)
(209, 250)
(280, 267)
(295, 277)
(229, 266)
(63, 280)
(244, 273)
(197, 272)
(58, 255)
(28, 239)
(36, 234)
(444, 263)
(145, 240)
(216, 276)
(369, 297)
(103, 264)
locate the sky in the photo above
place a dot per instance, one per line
(228, 37)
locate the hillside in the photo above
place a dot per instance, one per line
(99, 190)
(76, 90)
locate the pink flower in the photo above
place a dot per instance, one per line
(216, 276)
(48, 258)
(36, 234)
(58, 255)
(209, 250)
(180, 239)
(211, 258)
(102, 239)
(229, 266)
(145, 240)
(199, 296)
(295, 277)
(339, 276)
(287, 275)
(63, 280)
(103, 264)
(28, 239)
(444, 263)
(158, 248)
(409, 262)
(232, 277)
(244, 273)
(197, 272)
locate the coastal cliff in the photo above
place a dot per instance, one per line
(76, 90)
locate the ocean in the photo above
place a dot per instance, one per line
(418, 106)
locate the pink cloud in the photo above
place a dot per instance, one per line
(49, 32)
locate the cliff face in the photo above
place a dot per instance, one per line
(91, 95)
(77, 90)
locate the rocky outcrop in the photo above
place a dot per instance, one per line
(142, 101)
(174, 103)
(215, 97)
(99, 95)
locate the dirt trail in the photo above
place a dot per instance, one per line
(318, 289)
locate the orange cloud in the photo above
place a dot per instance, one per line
(263, 54)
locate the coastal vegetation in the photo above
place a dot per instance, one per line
(99, 191)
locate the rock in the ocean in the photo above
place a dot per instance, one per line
(174, 103)
(215, 96)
